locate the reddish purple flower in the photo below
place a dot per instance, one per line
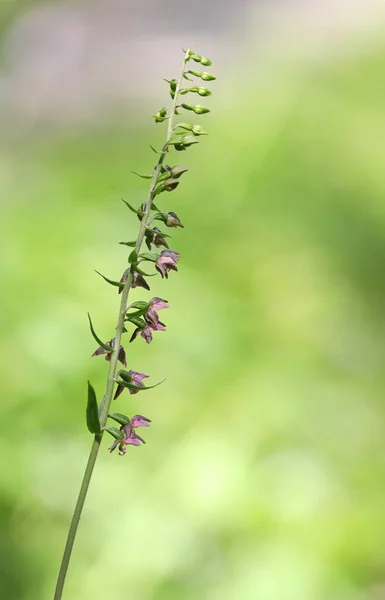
(166, 262)
(108, 353)
(136, 379)
(139, 281)
(152, 320)
(156, 237)
(146, 332)
(130, 437)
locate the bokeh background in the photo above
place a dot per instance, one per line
(263, 473)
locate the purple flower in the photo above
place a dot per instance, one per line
(155, 236)
(166, 262)
(136, 379)
(152, 320)
(108, 353)
(139, 281)
(130, 437)
(146, 331)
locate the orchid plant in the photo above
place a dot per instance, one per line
(142, 315)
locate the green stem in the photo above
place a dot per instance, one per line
(106, 402)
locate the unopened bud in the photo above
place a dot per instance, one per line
(203, 75)
(198, 130)
(161, 116)
(205, 61)
(172, 220)
(177, 171)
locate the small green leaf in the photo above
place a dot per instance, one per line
(132, 318)
(119, 284)
(139, 270)
(156, 151)
(119, 418)
(142, 176)
(139, 304)
(116, 433)
(151, 256)
(133, 258)
(134, 210)
(130, 244)
(93, 422)
(105, 346)
(131, 386)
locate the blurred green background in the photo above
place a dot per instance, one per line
(263, 473)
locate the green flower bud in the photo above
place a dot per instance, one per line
(197, 108)
(198, 130)
(161, 116)
(203, 75)
(186, 126)
(205, 61)
(202, 91)
(196, 57)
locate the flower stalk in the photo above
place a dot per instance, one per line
(163, 178)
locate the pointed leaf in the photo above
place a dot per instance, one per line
(139, 304)
(134, 210)
(110, 281)
(116, 433)
(142, 176)
(150, 256)
(136, 320)
(132, 386)
(130, 244)
(119, 418)
(93, 422)
(96, 338)
(139, 270)
(156, 151)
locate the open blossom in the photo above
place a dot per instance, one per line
(152, 320)
(108, 353)
(136, 379)
(166, 262)
(130, 437)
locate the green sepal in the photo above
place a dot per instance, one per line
(133, 258)
(108, 348)
(119, 418)
(116, 433)
(142, 176)
(92, 412)
(151, 256)
(110, 281)
(130, 244)
(134, 210)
